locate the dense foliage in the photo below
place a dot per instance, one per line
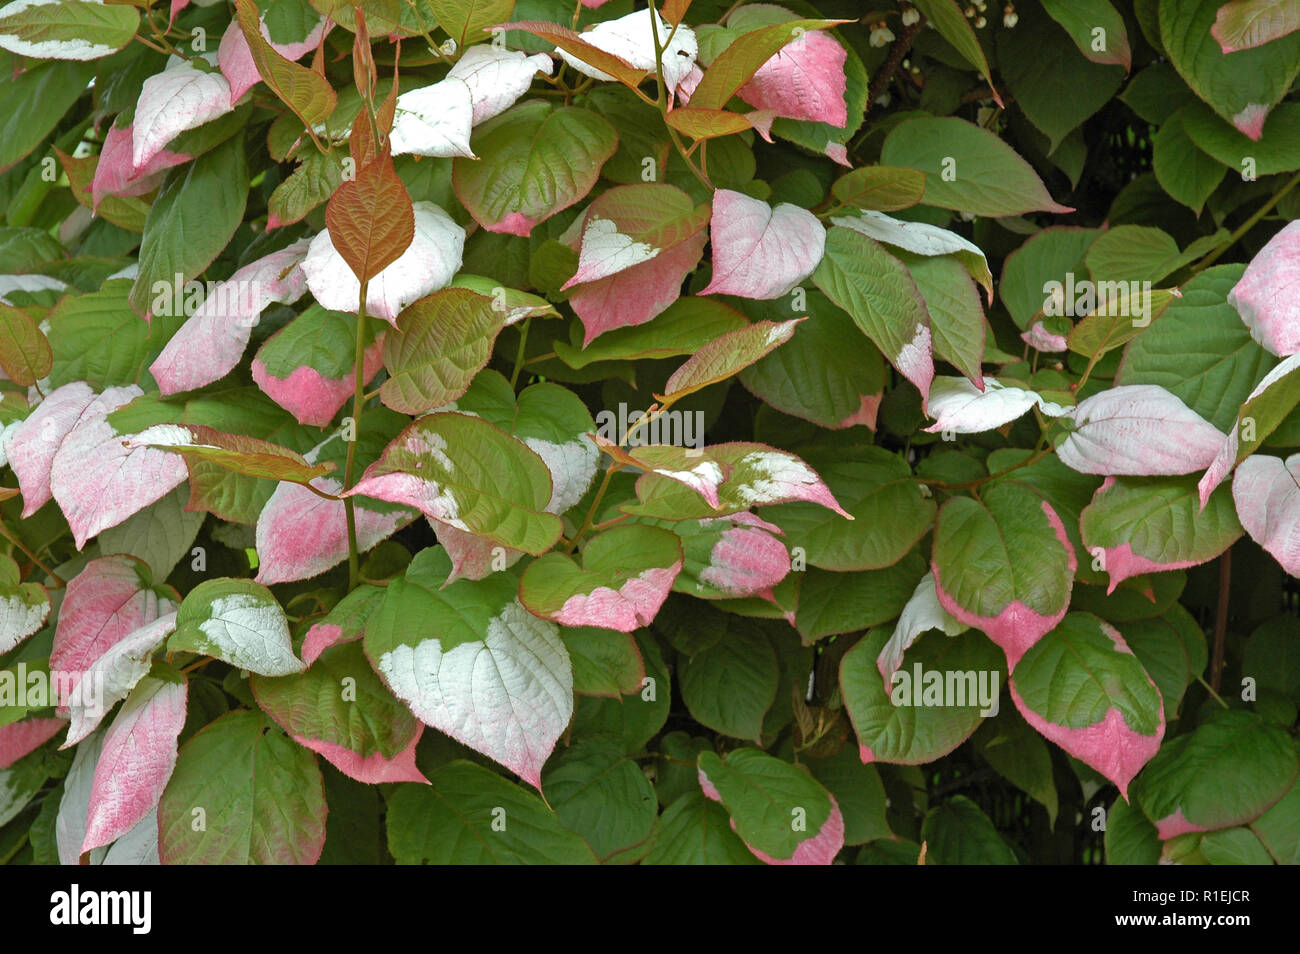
(536, 431)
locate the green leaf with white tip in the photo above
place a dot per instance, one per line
(239, 622)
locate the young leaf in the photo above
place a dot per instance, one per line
(1246, 24)
(243, 455)
(305, 91)
(728, 355)
(25, 355)
(370, 220)
(882, 188)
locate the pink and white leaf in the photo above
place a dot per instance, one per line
(31, 447)
(22, 738)
(629, 39)
(631, 606)
(97, 481)
(1266, 491)
(760, 251)
(1268, 295)
(747, 559)
(104, 604)
(311, 397)
(116, 172)
(472, 557)
(1230, 447)
(374, 769)
(211, 342)
(301, 534)
(111, 677)
(235, 60)
(179, 98)
(70, 822)
(136, 761)
(1138, 430)
(428, 264)
(805, 80)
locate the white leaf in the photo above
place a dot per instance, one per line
(921, 614)
(430, 263)
(181, 97)
(1138, 430)
(760, 251)
(434, 120)
(958, 406)
(629, 39)
(496, 78)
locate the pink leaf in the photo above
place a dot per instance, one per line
(111, 677)
(1268, 295)
(428, 264)
(105, 603)
(98, 481)
(235, 59)
(115, 173)
(31, 447)
(1109, 746)
(136, 761)
(747, 559)
(209, 345)
(635, 296)
(20, 738)
(372, 769)
(179, 98)
(820, 849)
(805, 80)
(1266, 491)
(633, 605)
(471, 556)
(1138, 430)
(758, 251)
(301, 535)
(311, 397)
(320, 638)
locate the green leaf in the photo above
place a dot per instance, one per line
(831, 604)
(1082, 19)
(1128, 253)
(881, 296)
(33, 102)
(470, 474)
(23, 606)
(829, 373)
(303, 90)
(243, 455)
(1200, 350)
(1020, 755)
(1182, 169)
(946, 17)
(1245, 24)
(1131, 839)
(683, 327)
(444, 340)
(1157, 92)
(858, 792)
(1241, 87)
(956, 832)
(1276, 150)
(97, 338)
(967, 168)
(464, 20)
(696, 831)
(1046, 256)
(890, 513)
(728, 355)
(730, 685)
(1228, 772)
(309, 185)
(626, 573)
(68, 30)
(602, 795)
(956, 317)
(915, 730)
(604, 663)
(533, 161)
(197, 212)
(1171, 647)
(340, 709)
(1148, 524)
(239, 622)
(884, 188)
(1279, 828)
(470, 815)
(764, 797)
(261, 798)
(1234, 846)
(25, 355)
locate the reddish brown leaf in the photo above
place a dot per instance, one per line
(370, 219)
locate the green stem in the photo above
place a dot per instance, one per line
(661, 102)
(614, 467)
(519, 355)
(358, 401)
(5, 532)
(1246, 226)
(12, 852)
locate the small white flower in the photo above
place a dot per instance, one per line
(881, 35)
(883, 99)
(1009, 16)
(910, 16)
(981, 23)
